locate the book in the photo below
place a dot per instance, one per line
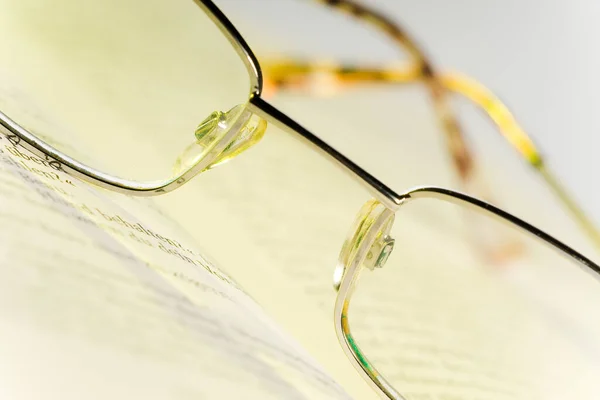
(103, 297)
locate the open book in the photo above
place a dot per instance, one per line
(104, 297)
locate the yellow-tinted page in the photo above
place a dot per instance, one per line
(102, 296)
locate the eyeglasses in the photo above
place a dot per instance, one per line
(222, 65)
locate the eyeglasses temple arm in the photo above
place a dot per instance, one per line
(460, 153)
(580, 216)
(286, 74)
(510, 129)
(332, 78)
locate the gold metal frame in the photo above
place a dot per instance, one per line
(392, 201)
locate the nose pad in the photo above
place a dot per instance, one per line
(372, 214)
(213, 130)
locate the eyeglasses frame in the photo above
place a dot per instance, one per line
(392, 201)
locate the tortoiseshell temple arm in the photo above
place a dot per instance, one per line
(458, 148)
(302, 76)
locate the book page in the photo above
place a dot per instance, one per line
(103, 296)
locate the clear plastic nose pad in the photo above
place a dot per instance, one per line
(219, 138)
(380, 247)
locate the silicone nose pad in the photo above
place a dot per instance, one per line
(250, 129)
(250, 133)
(379, 250)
